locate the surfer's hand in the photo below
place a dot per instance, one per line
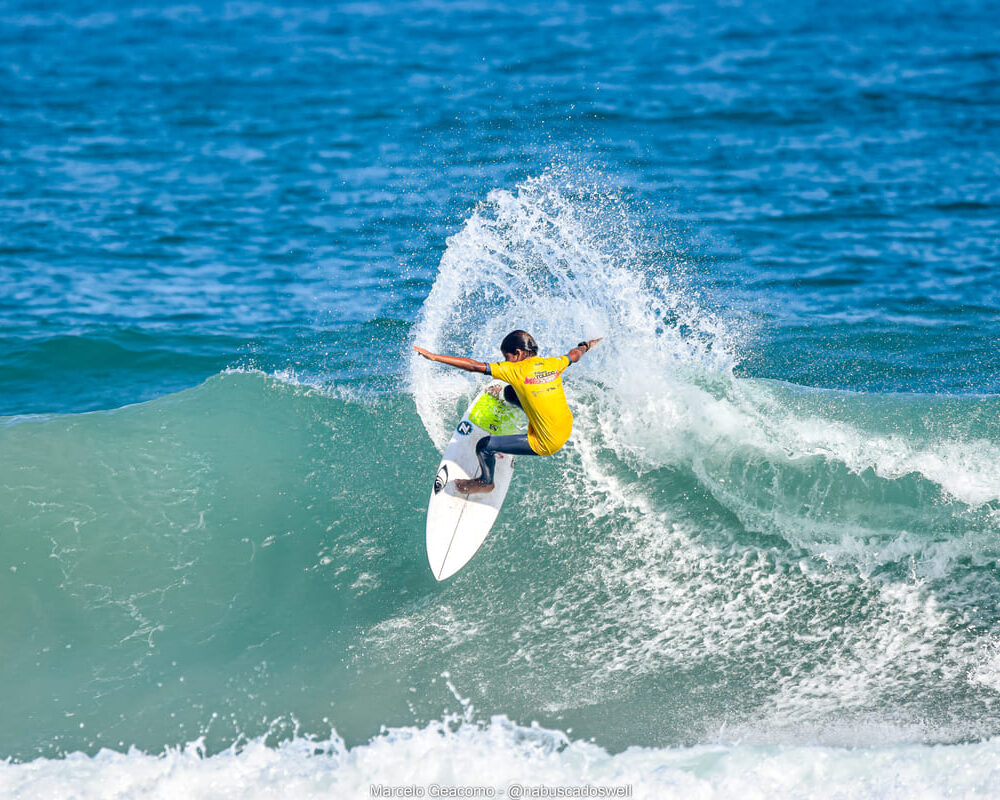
(577, 352)
(425, 353)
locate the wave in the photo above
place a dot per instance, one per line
(89, 369)
(508, 759)
(712, 552)
(148, 567)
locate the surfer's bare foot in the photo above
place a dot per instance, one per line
(473, 487)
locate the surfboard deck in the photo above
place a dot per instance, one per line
(458, 524)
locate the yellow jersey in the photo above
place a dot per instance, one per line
(538, 384)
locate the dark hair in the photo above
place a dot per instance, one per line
(519, 340)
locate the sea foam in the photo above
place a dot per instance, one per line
(504, 758)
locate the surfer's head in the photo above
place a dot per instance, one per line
(518, 341)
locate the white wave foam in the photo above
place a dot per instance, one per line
(499, 754)
(966, 468)
(567, 262)
(566, 268)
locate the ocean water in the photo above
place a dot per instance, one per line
(765, 565)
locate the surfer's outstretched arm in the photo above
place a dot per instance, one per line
(577, 352)
(468, 364)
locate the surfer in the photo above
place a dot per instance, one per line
(537, 388)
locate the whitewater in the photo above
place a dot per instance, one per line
(500, 755)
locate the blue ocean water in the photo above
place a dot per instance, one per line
(766, 562)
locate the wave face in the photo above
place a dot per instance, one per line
(714, 558)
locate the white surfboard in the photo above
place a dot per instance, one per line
(458, 524)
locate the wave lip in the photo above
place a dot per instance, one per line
(567, 260)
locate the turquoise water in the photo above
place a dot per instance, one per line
(766, 562)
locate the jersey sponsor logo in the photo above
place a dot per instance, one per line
(548, 376)
(464, 427)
